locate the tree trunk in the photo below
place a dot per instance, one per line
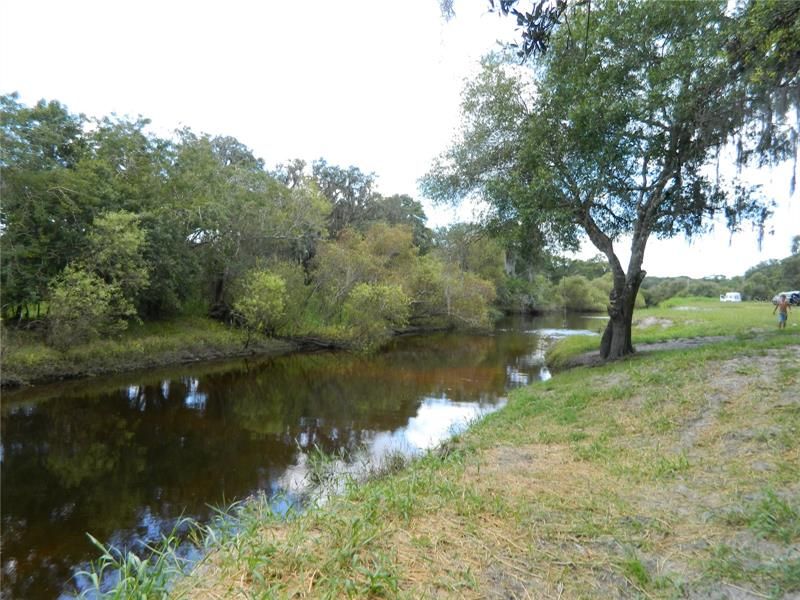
(616, 341)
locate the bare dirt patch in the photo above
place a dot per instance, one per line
(725, 381)
(653, 321)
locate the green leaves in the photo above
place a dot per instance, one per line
(374, 311)
(83, 307)
(262, 301)
(108, 222)
(115, 252)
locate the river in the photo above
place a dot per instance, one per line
(124, 457)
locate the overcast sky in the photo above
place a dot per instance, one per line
(370, 83)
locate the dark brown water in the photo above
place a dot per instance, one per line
(122, 458)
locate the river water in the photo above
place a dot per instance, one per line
(124, 457)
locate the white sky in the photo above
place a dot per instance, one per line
(370, 83)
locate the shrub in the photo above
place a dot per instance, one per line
(116, 243)
(518, 294)
(261, 302)
(83, 307)
(296, 306)
(373, 311)
(706, 289)
(468, 299)
(667, 289)
(578, 294)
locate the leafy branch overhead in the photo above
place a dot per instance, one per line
(537, 24)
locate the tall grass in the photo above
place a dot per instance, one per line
(237, 529)
(124, 575)
(27, 359)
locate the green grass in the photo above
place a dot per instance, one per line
(772, 517)
(26, 359)
(776, 575)
(683, 318)
(127, 575)
(635, 570)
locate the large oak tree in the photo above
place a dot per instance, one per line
(618, 135)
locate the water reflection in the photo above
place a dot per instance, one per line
(124, 457)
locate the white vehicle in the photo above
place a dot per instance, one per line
(730, 297)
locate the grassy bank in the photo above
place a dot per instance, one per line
(26, 359)
(682, 319)
(672, 474)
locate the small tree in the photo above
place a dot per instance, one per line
(261, 302)
(468, 299)
(527, 295)
(758, 287)
(83, 307)
(295, 315)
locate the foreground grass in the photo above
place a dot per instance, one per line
(672, 474)
(26, 359)
(683, 318)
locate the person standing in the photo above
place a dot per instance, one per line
(783, 311)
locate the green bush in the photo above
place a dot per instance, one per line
(261, 303)
(373, 311)
(578, 294)
(83, 307)
(521, 295)
(115, 246)
(468, 299)
(296, 312)
(703, 288)
(665, 290)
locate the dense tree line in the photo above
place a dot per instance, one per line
(104, 223)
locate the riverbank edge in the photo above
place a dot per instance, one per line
(41, 365)
(557, 362)
(176, 342)
(38, 364)
(302, 556)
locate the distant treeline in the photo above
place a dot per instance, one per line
(761, 282)
(590, 280)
